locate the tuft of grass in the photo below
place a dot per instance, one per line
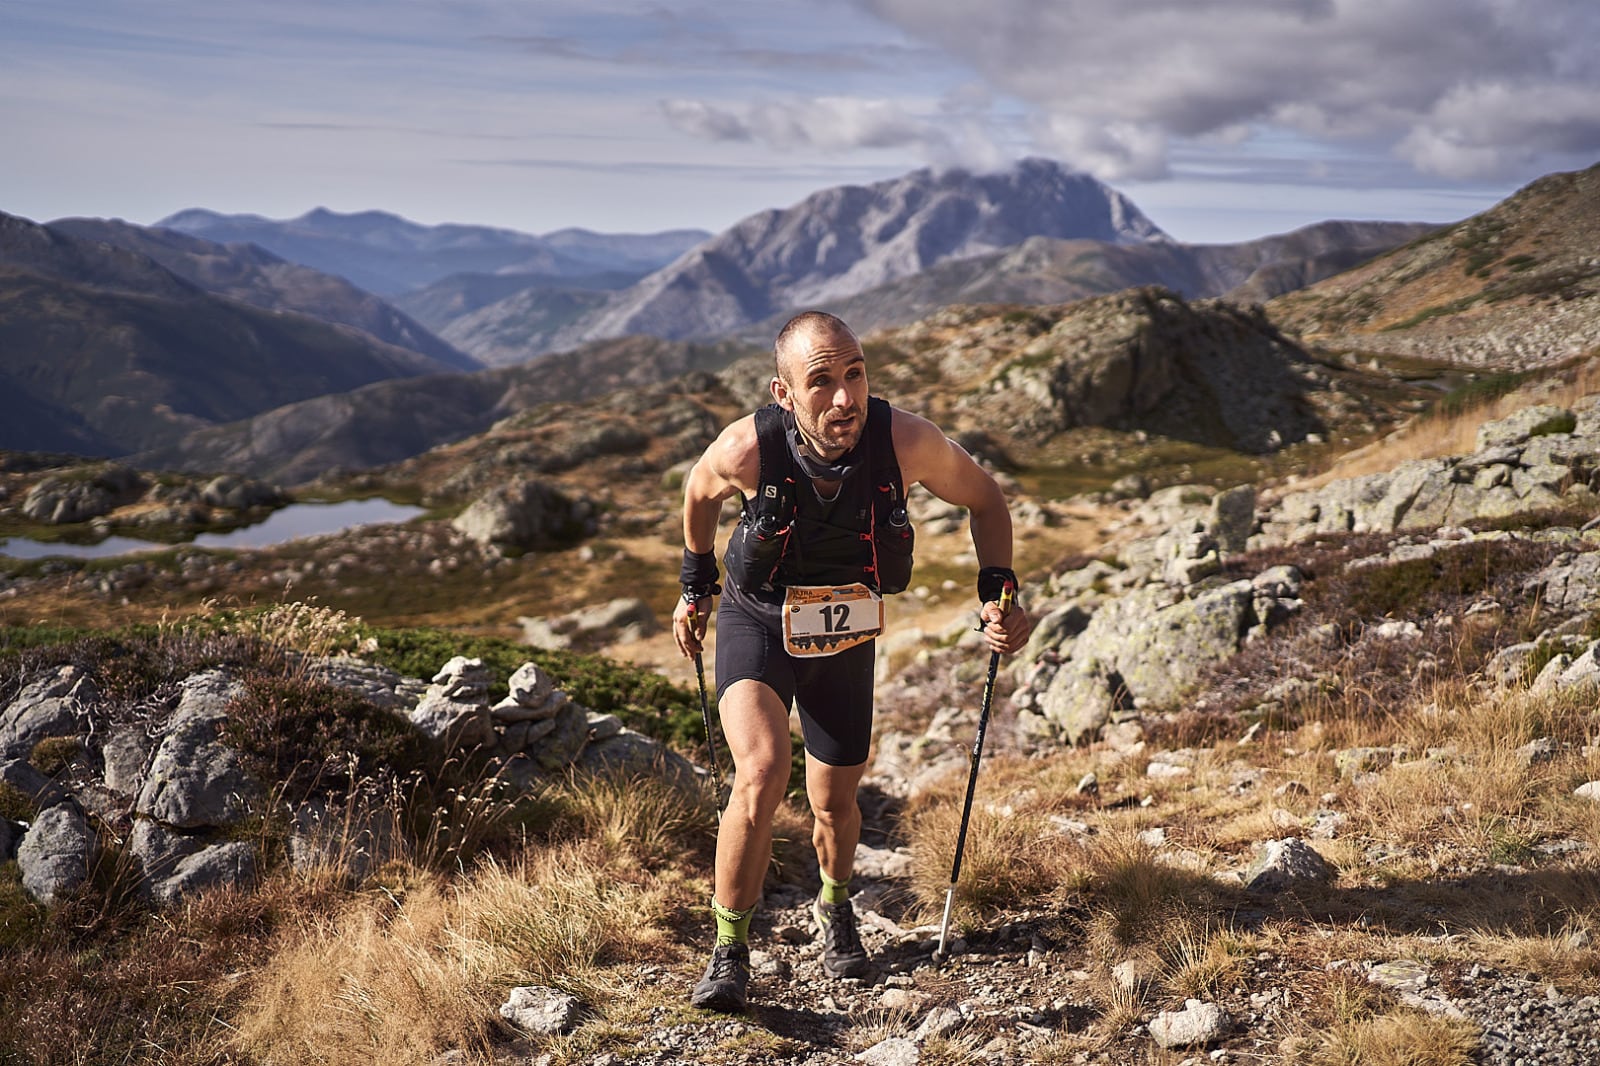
(1399, 1038)
(406, 974)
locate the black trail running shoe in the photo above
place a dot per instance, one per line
(727, 977)
(842, 953)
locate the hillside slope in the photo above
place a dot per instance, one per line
(255, 276)
(1515, 286)
(139, 356)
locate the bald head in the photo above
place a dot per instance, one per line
(802, 333)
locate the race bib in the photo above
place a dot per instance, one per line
(826, 619)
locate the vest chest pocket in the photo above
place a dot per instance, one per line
(823, 620)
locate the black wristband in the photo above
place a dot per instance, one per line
(992, 580)
(699, 569)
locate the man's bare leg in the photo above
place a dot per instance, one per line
(756, 725)
(835, 834)
(837, 829)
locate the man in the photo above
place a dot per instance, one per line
(823, 533)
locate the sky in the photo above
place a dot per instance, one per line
(1223, 120)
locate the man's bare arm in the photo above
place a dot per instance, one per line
(929, 458)
(731, 465)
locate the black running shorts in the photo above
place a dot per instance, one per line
(833, 693)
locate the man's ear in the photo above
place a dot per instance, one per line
(780, 393)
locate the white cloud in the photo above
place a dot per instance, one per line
(1456, 87)
(828, 123)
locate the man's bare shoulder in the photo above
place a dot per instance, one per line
(917, 443)
(735, 456)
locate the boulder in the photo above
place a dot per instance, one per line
(35, 787)
(195, 780)
(524, 516)
(56, 853)
(62, 499)
(453, 723)
(51, 706)
(1196, 1025)
(125, 753)
(235, 493)
(1232, 519)
(221, 864)
(541, 1010)
(1284, 864)
(628, 751)
(1526, 424)
(158, 850)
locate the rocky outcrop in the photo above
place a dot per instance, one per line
(1146, 359)
(1540, 458)
(174, 791)
(524, 516)
(60, 499)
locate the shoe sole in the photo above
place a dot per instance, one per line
(719, 1003)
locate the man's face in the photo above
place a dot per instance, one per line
(824, 382)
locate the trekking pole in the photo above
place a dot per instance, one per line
(705, 714)
(1007, 592)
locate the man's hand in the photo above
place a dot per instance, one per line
(689, 621)
(1006, 631)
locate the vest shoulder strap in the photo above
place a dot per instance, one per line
(774, 461)
(885, 465)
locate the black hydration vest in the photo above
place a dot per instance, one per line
(788, 536)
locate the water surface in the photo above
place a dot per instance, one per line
(283, 525)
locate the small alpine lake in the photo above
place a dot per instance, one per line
(285, 524)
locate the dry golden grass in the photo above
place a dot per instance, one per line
(405, 973)
(1400, 1038)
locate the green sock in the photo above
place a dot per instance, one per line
(733, 927)
(834, 891)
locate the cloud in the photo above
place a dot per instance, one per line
(1455, 87)
(826, 123)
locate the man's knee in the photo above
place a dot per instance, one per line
(762, 783)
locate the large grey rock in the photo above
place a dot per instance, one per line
(629, 751)
(55, 854)
(541, 1010)
(195, 780)
(618, 620)
(125, 753)
(524, 516)
(236, 493)
(209, 694)
(35, 787)
(1232, 518)
(375, 683)
(1284, 864)
(1145, 648)
(1196, 1025)
(158, 850)
(1525, 424)
(1570, 583)
(221, 864)
(61, 499)
(453, 723)
(530, 686)
(51, 706)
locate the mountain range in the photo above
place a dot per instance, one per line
(390, 255)
(124, 340)
(105, 350)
